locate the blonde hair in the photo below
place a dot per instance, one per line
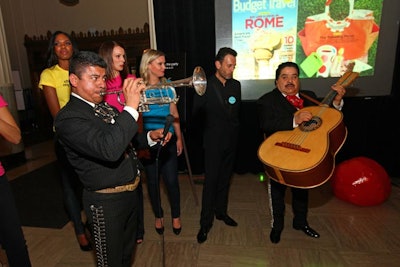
(149, 55)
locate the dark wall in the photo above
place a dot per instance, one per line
(373, 131)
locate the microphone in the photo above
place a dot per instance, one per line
(168, 121)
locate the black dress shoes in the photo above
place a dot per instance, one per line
(275, 236)
(202, 235)
(227, 220)
(308, 231)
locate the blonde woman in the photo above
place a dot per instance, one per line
(152, 68)
(54, 81)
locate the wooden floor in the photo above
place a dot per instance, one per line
(350, 235)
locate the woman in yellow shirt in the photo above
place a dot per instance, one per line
(54, 81)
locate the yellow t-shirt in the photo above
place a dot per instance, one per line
(57, 78)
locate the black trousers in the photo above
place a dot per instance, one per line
(277, 205)
(72, 188)
(218, 164)
(114, 219)
(167, 169)
(12, 238)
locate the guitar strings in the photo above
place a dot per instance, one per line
(299, 138)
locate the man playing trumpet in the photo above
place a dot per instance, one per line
(99, 143)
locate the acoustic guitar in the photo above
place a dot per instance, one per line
(305, 157)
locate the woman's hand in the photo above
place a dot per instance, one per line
(179, 147)
(158, 136)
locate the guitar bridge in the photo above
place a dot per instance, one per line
(292, 146)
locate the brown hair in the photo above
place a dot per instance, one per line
(105, 51)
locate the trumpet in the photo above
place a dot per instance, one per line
(167, 93)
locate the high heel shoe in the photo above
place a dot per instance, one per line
(139, 236)
(139, 240)
(178, 230)
(87, 247)
(160, 230)
(82, 239)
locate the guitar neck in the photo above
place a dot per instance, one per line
(329, 98)
(345, 81)
(347, 78)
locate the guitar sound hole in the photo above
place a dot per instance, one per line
(311, 125)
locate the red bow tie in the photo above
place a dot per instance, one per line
(295, 101)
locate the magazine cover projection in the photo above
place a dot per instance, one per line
(321, 36)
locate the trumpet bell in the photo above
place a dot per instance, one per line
(199, 80)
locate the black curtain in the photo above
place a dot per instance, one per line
(188, 26)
